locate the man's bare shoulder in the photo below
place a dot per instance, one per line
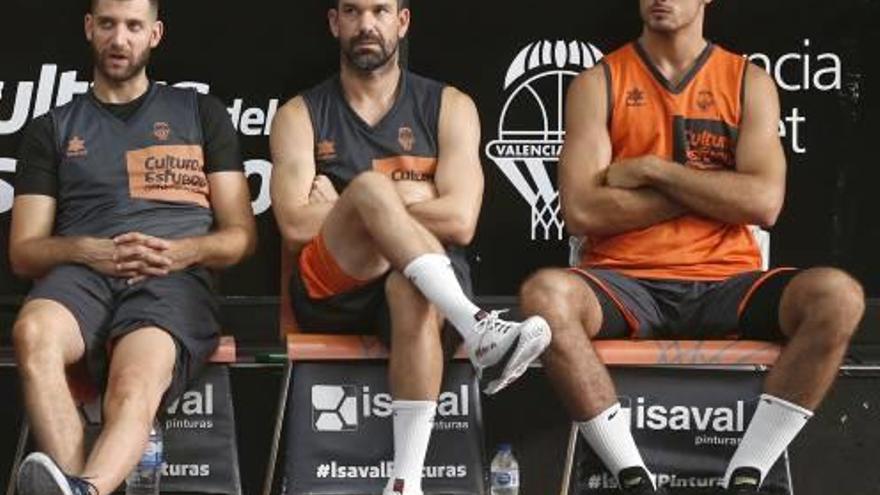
(456, 99)
(758, 82)
(588, 81)
(293, 108)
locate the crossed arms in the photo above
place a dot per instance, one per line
(448, 208)
(601, 198)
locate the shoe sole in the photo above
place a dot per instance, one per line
(38, 475)
(527, 351)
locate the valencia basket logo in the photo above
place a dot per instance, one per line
(530, 129)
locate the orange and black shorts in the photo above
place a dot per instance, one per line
(325, 299)
(744, 306)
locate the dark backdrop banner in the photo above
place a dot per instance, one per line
(687, 423)
(339, 431)
(515, 58)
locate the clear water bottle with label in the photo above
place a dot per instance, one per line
(144, 479)
(505, 472)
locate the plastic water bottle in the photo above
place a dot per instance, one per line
(505, 472)
(144, 479)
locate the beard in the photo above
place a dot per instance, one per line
(105, 65)
(370, 59)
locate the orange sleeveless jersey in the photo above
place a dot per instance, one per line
(694, 123)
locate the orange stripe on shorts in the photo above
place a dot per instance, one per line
(757, 283)
(321, 274)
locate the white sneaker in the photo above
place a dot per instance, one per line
(522, 341)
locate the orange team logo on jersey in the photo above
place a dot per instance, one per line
(325, 150)
(76, 147)
(705, 100)
(406, 138)
(635, 97)
(162, 131)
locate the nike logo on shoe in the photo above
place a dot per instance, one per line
(483, 350)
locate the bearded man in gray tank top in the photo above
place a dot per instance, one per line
(377, 188)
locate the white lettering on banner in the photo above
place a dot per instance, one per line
(194, 402)
(250, 121)
(186, 470)
(716, 426)
(338, 408)
(824, 73)
(604, 480)
(384, 469)
(688, 418)
(263, 169)
(253, 121)
(68, 87)
(794, 120)
(717, 441)
(7, 192)
(794, 72)
(188, 424)
(448, 403)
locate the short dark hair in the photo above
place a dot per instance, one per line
(154, 6)
(334, 4)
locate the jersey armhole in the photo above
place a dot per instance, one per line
(199, 116)
(609, 92)
(742, 92)
(312, 117)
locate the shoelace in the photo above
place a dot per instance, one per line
(492, 322)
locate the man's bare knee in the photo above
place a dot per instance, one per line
(37, 343)
(370, 188)
(30, 338)
(134, 391)
(553, 294)
(831, 299)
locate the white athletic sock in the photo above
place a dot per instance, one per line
(413, 422)
(775, 424)
(432, 274)
(611, 439)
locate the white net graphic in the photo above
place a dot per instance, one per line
(546, 222)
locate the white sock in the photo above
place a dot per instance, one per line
(432, 274)
(611, 439)
(413, 422)
(775, 424)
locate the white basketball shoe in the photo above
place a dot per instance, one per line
(504, 349)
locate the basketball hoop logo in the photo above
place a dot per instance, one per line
(530, 130)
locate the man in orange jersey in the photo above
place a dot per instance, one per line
(671, 153)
